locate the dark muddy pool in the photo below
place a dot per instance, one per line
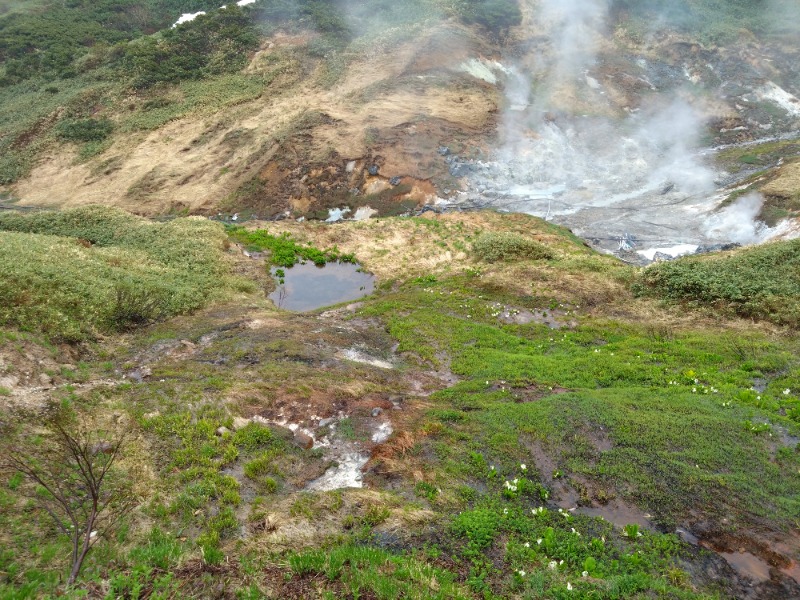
(307, 286)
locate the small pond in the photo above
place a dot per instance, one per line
(307, 286)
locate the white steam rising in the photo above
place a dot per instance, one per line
(737, 222)
(605, 175)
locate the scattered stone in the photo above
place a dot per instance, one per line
(350, 167)
(67, 367)
(377, 411)
(662, 257)
(240, 423)
(443, 150)
(395, 180)
(302, 440)
(326, 422)
(222, 431)
(373, 170)
(45, 379)
(152, 415)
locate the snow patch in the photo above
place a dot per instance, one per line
(187, 18)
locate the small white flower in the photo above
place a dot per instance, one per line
(552, 565)
(505, 511)
(585, 574)
(539, 541)
(787, 391)
(521, 573)
(561, 562)
(569, 586)
(527, 544)
(523, 467)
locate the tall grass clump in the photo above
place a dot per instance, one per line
(761, 282)
(78, 273)
(507, 246)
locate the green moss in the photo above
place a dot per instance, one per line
(284, 250)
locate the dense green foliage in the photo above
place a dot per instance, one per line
(84, 130)
(761, 282)
(284, 250)
(71, 275)
(212, 44)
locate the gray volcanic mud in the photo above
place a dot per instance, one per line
(307, 287)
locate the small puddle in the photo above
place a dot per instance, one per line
(308, 287)
(748, 565)
(619, 514)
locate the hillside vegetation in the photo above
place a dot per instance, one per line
(74, 275)
(551, 433)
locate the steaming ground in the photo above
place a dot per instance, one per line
(639, 181)
(625, 175)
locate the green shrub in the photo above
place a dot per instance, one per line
(746, 282)
(506, 246)
(84, 130)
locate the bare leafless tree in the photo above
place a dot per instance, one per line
(76, 481)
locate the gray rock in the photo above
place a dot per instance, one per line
(45, 379)
(459, 170)
(302, 440)
(395, 180)
(326, 422)
(373, 170)
(377, 411)
(443, 150)
(222, 431)
(240, 423)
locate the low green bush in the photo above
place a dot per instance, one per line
(506, 246)
(761, 282)
(84, 130)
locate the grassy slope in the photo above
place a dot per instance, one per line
(636, 403)
(76, 274)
